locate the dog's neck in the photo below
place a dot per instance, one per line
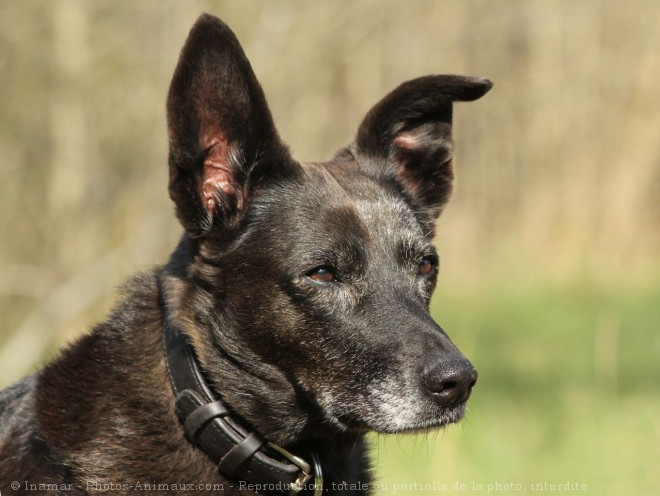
(245, 442)
(209, 425)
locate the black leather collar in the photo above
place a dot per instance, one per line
(239, 453)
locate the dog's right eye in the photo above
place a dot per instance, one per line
(321, 274)
(426, 266)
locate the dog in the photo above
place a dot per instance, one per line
(292, 318)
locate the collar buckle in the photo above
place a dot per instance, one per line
(306, 471)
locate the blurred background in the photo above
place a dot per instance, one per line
(551, 276)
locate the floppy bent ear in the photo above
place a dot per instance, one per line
(407, 136)
(221, 133)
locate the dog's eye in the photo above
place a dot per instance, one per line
(321, 274)
(426, 266)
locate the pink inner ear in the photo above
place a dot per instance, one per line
(407, 140)
(218, 174)
(430, 139)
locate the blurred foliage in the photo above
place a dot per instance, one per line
(550, 245)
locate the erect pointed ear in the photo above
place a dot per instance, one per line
(221, 134)
(407, 137)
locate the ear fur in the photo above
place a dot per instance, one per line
(407, 137)
(221, 132)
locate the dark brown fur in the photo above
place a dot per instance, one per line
(307, 364)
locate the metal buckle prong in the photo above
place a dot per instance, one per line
(306, 471)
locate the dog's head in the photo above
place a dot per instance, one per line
(306, 287)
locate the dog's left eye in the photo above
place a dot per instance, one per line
(321, 274)
(426, 266)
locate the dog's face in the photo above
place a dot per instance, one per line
(314, 280)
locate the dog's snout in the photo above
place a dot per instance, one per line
(450, 382)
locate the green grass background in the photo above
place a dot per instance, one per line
(567, 392)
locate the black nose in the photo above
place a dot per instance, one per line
(450, 382)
